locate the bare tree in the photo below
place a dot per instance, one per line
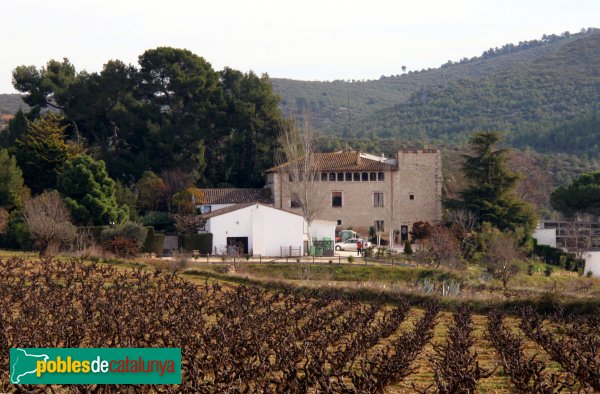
(466, 220)
(298, 167)
(175, 180)
(49, 222)
(440, 248)
(501, 254)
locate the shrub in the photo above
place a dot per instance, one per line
(95, 231)
(589, 274)
(201, 242)
(17, 236)
(548, 270)
(49, 222)
(530, 269)
(134, 232)
(421, 230)
(122, 246)
(407, 248)
(350, 259)
(154, 244)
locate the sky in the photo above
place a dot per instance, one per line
(301, 39)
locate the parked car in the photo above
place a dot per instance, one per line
(350, 244)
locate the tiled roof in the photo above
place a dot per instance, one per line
(236, 207)
(237, 196)
(6, 117)
(345, 161)
(222, 211)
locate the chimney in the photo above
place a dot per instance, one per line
(357, 157)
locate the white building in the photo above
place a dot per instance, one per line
(258, 229)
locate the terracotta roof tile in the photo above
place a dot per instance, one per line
(237, 196)
(345, 161)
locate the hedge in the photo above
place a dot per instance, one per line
(156, 245)
(559, 258)
(201, 242)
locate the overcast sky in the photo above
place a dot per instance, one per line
(302, 39)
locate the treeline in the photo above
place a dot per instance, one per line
(171, 111)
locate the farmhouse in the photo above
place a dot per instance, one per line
(361, 190)
(258, 229)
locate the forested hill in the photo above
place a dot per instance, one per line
(535, 85)
(11, 103)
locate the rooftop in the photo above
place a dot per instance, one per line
(348, 161)
(237, 196)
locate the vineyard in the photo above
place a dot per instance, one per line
(245, 339)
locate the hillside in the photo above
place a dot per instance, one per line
(517, 88)
(11, 103)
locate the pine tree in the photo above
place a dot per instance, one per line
(89, 192)
(491, 192)
(12, 189)
(42, 152)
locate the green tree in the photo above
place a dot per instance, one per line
(42, 152)
(151, 192)
(90, 193)
(581, 196)
(12, 189)
(17, 128)
(490, 194)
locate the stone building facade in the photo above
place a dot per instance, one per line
(362, 190)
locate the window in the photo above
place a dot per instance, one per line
(340, 176)
(339, 222)
(295, 201)
(291, 177)
(206, 208)
(380, 176)
(336, 199)
(332, 176)
(411, 197)
(365, 176)
(324, 176)
(357, 176)
(348, 177)
(378, 199)
(379, 226)
(373, 176)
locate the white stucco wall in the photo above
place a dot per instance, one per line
(592, 263)
(323, 229)
(267, 229)
(545, 236)
(233, 224)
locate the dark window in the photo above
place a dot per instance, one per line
(339, 222)
(379, 226)
(323, 176)
(378, 199)
(340, 176)
(380, 176)
(291, 177)
(411, 197)
(348, 177)
(357, 176)
(295, 201)
(336, 199)
(365, 176)
(373, 176)
(332, 176)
